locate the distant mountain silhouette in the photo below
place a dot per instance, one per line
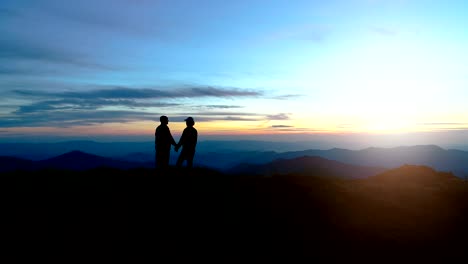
(427, 155)
(308, 166)
(74, 160)
(13, 163)
(40, 151)
(221, 156)
(421, 175)
(138, 157)
(78, 160)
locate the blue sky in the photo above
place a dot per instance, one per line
(239, 67)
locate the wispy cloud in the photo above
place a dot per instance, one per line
(219, 113)
(287, 128)
(145, 93)
(87, 107)
(85, 118)
(286, 96)
(443, 124)
(85, 104)
(55, 116)
(281, 116)
(451, 129)
(15, 50)
(74, 118)
(118, 16)
(224, 116)
(16, 69)
(219, 106)
(281, 126)
(238, 118)
(299, 130)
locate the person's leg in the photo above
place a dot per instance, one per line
(180, 160)
(190, 160)
(162, 159)
(157, 160)
(168, 157)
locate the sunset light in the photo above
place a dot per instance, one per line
(236, 131)
(309, 67)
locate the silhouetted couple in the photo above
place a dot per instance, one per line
(164, 140)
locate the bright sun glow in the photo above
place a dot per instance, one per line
(308, 67)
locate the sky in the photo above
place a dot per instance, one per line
(240, 68)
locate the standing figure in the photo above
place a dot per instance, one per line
(163, 142)
(188, 142)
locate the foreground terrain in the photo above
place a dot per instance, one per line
(407, 213)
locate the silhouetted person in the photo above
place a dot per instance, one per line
(188, 142)
(163, 141)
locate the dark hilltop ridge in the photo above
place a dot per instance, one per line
(73, 160)
(414, 174)
(78, 160)
(411, 213)
(278, 206)
(307, 166)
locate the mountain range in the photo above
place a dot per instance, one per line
(74, 160)
(78, 161)
(436, 157)
(307, 166)
(225, 155)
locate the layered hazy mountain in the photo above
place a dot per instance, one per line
(74, 160)
(308, 166)
(225, 155)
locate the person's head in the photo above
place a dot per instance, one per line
(164, 120)
(189, 121)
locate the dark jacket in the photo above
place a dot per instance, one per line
(163, 138)
(188, 140)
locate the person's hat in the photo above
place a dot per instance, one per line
(189, 119)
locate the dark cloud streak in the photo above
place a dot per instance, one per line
(74, 118)
(71, 108)
(85, 118)
(220, 106)
(89, 104)
(93, 106)
(286, 96)
(145, 93)
(281, 126)
(237, 118)
(281, 116)
(209, 113)
(16, 70)
(13, 50)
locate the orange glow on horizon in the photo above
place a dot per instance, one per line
(224, 128)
